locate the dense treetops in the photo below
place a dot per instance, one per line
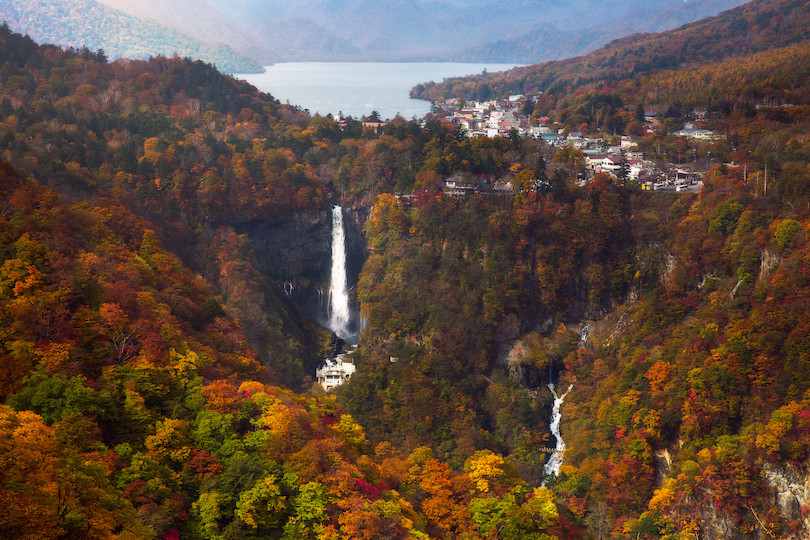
(135, 408)
(134, 404)
(141, 399)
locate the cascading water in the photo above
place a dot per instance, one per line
(555, 462)
(339, 313)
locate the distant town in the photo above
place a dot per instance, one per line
(618, 155)
(600, 152)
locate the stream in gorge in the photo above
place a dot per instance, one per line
(554, 463)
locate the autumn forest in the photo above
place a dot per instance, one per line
(156, 382)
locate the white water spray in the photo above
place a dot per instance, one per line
(555, 462)
(339, 313)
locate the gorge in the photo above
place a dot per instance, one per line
(161, 224)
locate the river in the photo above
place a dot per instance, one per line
(358, 88)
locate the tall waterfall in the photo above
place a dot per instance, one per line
(339, 314)
(553, 465)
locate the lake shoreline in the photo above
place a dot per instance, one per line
(357, 89)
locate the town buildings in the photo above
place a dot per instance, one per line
(503, 118)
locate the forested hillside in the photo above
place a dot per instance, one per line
(741, 32)
(88, 23)
(156, 381)
(600, 24)
(201, 21)
(135, 404)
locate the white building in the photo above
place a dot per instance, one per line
(334, 373)
(690, 132)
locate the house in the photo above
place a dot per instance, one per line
(334, 373)
(636, 168)
(697, 134)
(471, 125)
(483, 106)
(612, 164)
(456, 186)
(502, 188)
(465, 114)
(684, 176)
(595, 161)
(538, 132)
(579, 143)
(551, 139)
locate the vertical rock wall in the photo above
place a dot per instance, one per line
(297, 253)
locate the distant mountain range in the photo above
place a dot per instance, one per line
(568, 37)
(525, 31)
(92, 24)
(764, 26)
(240, 35)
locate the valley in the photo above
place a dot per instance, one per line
(166, 256)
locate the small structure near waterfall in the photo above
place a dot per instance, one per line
(334, 373)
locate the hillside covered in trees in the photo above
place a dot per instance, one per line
(91, 24)
(156, 382)
(639, 62)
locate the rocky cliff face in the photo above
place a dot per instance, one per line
(296, 249)
(791, 491)
(297, 253)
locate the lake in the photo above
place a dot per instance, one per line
(358, 88)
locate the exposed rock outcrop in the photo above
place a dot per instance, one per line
(769, 261)
(791, 491)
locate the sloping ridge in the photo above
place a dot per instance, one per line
(88, 23)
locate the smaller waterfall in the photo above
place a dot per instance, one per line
(339, 313)
(555, 462)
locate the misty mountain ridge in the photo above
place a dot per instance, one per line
(558, 41)
(526, 31)
(77, 23)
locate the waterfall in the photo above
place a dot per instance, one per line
(555, 462)
(339, 314)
